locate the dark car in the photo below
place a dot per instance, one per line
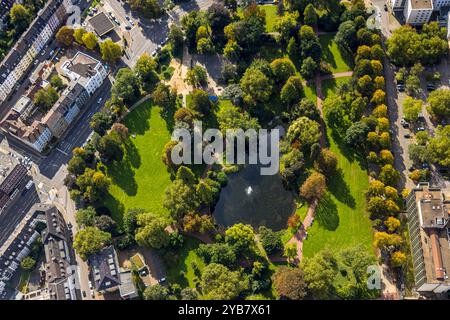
(385, 8)
(411, 169)
(407, 136)
(430, 87)
(400, 87)
(425, 166)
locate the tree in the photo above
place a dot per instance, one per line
(221, 253)
(439, 103)
(193, 222)
(309, 68)
(327, 162)
(205, 46)
(305, 131)
(90, 241)
(314, 187)
(310, 15)
(45, 98)
(289, 283)
(256, 86)
(110, 149)
(167, 154)
(292, 91)
(309, 44)
(205, 193)
(386, 157)
(20, 17)
(190, 24)
(56, 82)
(290, 251)
(176, 37)
(126, 87)
(439, 146)
(149, 9)
(218, 17)
(319, 273)
(241, 237)
(231, 117)
(411, 109)
(121, 130)
(27, 263)
(151, 232)
(76, 166)
(110, 51)
(270, 240)
(186, 175)
(418, 153)
(392, 224)
(356, 134)
(345, 38)
(412, 85)
(286, 25)
(388, 175)
(65, 36)
(197, 77)
(282, 69)
(156, 292)
(164, 96)
(180, 199)
(387, 241)
(100, 122)
(199, 103)
(306, 108)
(90, 40)
(398, 259)
(86, 217)
(145, 70)
(219, 283)
(184, 115)
(189, 294)
(78, 35)
(92, 184)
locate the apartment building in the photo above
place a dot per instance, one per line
(15, 65)
(86, 75)
(428, 211)
(85, 70)
(418, 12)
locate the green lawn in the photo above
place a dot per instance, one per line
(140, 180)
(332, 55)
(271, 16)
(182, 271)
(310, 92)
(341, 219)
(330, 85)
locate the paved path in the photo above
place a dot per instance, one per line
(300, 235)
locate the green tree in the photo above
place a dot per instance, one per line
(310, 15)
(305, 131)
(241, 237)
(270, 240)
(411, 109)
(197, 77)
(286, 25)
(86, 217)
(309, 68)
(145, 69)
(110, 148)
(439, 103)
(110, 51)
(90, 241)
(231, 117)
(282, 69)
(256, 86)
(221, 253)
(199, 103)
(319, 273)
(156, 292)
(56, 82)
(27, 263)
(439, 146)
(180, 199)
(78, 35)
(309, 44)
(149, 9)
(345, 38)
(20, 17)
(126, 87)
(388, 175)
(45, 98)
(90, 40)
(100, 122)
(164, 96)
(65, 36)
(219, 283)
(292, 91)
(151, 232)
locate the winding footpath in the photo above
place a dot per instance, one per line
(301, 233)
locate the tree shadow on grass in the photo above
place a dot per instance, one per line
(135, 120)
(340, 189)
(327, 214)
(167, 114)
(132, 154)
(122, 175)
(117, 208)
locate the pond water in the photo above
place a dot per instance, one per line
(252, 198)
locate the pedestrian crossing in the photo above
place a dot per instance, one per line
(65, 147)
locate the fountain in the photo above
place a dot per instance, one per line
(248, 190)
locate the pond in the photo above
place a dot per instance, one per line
(254, 199)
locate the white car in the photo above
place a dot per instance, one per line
(99, 100)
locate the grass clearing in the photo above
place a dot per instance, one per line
(141, 178)
(182, 271)
(271, 16)
(332, 54)
(341, 219)
(329, 86)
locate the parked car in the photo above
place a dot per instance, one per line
(385, 8)
(128, 27)
(430, 87)
(127, 17)
(407, 136)
(99, 100)
(425, 166)
(153, 53)
(400, 87)
(411, 169)
(420, 129)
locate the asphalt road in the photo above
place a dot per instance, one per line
(11, 216)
